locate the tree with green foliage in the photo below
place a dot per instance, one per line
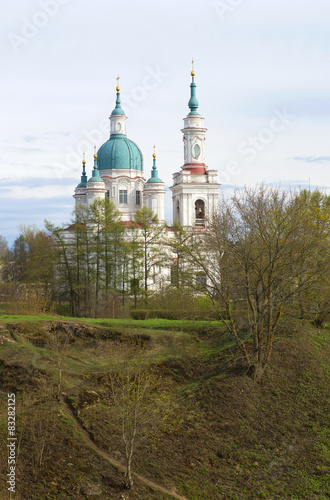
(39, 265)
(3, 247)
(89, 256)
(112, 241)
(28, 268)
(314, 298)
(65, 268)
(153, 255)
(5, 260)
(181, 276)
(18, 259)
(134, 256)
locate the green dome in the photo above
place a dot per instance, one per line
(119, 153)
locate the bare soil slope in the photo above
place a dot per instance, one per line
(227, 439)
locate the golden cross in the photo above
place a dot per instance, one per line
(154, 149)
(192, 64)
(118, 78)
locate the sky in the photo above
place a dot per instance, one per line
(262, 74)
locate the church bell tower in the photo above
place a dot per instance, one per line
(195, 187)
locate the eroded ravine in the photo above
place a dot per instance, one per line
(110, 459)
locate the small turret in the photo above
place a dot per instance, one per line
(154, 172)
(80, 191)
(154, 192)
(118, 109)
(117, 117)
(96, 174)
(95, 186)
(83, 179)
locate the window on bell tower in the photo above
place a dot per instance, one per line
(199, 213)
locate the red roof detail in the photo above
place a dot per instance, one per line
(196, 171)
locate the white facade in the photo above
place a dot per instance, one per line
(125, 190)
(118, 174)
(153, 198)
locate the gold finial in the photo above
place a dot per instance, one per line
(84, 161)
(192, 65)
(118, 88)
(154, 155)
(95, 155)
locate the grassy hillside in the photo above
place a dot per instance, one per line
(227, 438)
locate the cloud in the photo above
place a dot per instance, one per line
(45, 135)
(32, 211)
(297, 185)
(23, 150)
(36, 182)
(26, 193)
(311, 159)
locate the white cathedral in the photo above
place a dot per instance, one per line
(118, 173)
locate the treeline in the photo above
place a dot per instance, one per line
(265, 247)
(101, 261)
(27, 271)
(264, 254)
(95, 264)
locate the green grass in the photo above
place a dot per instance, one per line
(150, 324)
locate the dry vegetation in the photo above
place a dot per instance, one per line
(228, 437)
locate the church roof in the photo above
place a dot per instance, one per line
(119, 153)
(118, 109)
(193, 102)
(154, 172)
(83, 179)
(95, 174)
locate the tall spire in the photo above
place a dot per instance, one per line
(95, 174)
(154, 172)
(95, 162)
(118, 109)
(83, 178)
(84, 163)
(193, 103)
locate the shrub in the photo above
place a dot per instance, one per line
(197, 315)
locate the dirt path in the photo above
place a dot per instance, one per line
(98, 450)
(114, 462)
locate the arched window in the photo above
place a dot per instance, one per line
(200, 213)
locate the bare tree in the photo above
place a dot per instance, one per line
(39, 432)
(139, 401)
(58, 341)
(256, 257)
